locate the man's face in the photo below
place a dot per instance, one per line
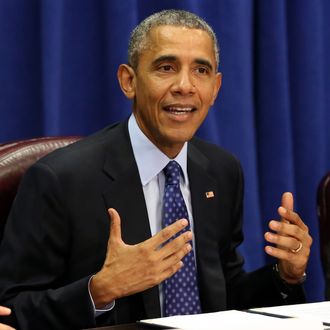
(174, 85)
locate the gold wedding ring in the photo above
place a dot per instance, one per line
(298, 248)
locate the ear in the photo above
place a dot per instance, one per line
(217, 86)
(126, 78)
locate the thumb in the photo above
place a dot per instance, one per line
(115, 225)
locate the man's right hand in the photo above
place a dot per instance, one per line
(129, 269)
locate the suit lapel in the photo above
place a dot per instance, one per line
(205, 205)
(125, 194)
(203, 190)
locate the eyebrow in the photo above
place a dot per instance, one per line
(164, 58)
(172, 58)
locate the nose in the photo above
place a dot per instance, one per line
(183, 84)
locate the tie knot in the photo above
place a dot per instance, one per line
(172, 173)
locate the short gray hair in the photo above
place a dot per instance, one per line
(139, 36)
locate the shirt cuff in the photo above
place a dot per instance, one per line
(290, 293)
(99, 311)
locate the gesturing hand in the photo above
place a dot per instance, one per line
(292, 240)
(129, 269)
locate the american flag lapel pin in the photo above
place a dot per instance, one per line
(209, 194)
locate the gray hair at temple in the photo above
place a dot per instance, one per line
(139, 36)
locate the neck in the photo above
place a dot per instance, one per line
(170, 152)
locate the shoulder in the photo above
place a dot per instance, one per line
(87, 153)
(213, 153)
(220, 164)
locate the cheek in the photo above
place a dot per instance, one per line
(149, 94)
(208, 96)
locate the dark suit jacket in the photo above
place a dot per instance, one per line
(57, 234)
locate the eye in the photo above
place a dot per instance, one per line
(202, 70)
(166, 68)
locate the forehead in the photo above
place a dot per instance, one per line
(179, 40)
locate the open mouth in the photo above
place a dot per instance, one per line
(179, 110)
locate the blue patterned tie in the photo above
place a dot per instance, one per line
(181, 296)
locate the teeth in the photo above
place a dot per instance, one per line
(180, 110)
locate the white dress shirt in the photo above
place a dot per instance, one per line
(151, 162)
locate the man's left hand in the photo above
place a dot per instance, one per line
(292, 242)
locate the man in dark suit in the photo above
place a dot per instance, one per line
(64, 265)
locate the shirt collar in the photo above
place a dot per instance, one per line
(150, 160)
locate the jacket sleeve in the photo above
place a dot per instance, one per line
(34, 259)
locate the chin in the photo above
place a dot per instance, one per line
(177, 136)
(182, 140)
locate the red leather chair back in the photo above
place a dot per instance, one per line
(15, 159)
(323, 203)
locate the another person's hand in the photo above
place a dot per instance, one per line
(5, 311)
(292, 242)
(129, 269)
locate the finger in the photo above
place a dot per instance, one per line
(285, 242)
(174, 258)
(288, 229)
(287, 201)
(287, 255)
(4, 310)
(165, 234)
(175, 245)
(170, 271)
(115, 225)
(292, 217)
